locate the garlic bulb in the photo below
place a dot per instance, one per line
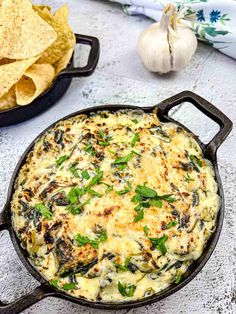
(168, 45)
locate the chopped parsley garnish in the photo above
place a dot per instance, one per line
(188, 178)
(127, 189)
(44, 210)
(83, 240)
(54, 282)
(135, 139)
(146, 197)
(105, 139)
(74, 171)
(123, 161)
(171, 224)
(85, 174)
(145, 229)
(69, 286)
(94, 193)
(156, 202)
(196, 160)
(96, 179)
(73, 196)
(125, 266)
(139, 216)
(61, 159)
(102, 235)
(126, 290)
(103, 143)
(89, 149)
(144, 191)
(159, 243)
(111, 151)
(178, 279)
(109, 188)
(135, 121)
(76, 208)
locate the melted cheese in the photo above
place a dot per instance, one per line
(161, 159)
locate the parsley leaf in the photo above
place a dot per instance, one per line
(89, 149)
(178, 279)
(69, 286)
(72, 196)
(188, 178)
(159, 243)
(125, 159)
(109, 188)
(85, 174)
(126, 290)
(61, 159)
(76, 208)
(139, 216)
(171, 224)
(144, 191)
(54, 282)
(103, 143)
(125, 266)
(156, 202)
(83, 240)
(145, 229)
(195, 160)
(74, 171)
(44, 211)
(135, 121)
(135, 139)
(94, 193)
(96, 179)
(127, 189)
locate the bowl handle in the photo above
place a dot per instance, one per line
(88, 69)
(208, 109)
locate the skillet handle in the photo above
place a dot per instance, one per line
(87, 70)
(26, 301)
(208, 109)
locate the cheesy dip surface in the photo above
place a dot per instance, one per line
(114, 207)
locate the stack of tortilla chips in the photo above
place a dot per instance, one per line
(35, 46)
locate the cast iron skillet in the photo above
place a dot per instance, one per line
(58, 87)
(209, 150)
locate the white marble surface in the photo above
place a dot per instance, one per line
(121, 78)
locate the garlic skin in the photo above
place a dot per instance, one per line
(168, 45)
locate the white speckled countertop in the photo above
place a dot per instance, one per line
(121, 78)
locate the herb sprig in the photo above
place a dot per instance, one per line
(126, 290)
(44, 211)
(83, 240)
(146, 197)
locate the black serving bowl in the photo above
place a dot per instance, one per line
(57, 89)
(209, 152)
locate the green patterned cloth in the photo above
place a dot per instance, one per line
(213, 21)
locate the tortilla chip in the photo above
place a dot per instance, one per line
(62, 13)
(8, 100)
(64, 61)
(23, 32)
(33, 83)
(65, 38)
(11, 73)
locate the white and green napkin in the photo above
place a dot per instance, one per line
(213, 21)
